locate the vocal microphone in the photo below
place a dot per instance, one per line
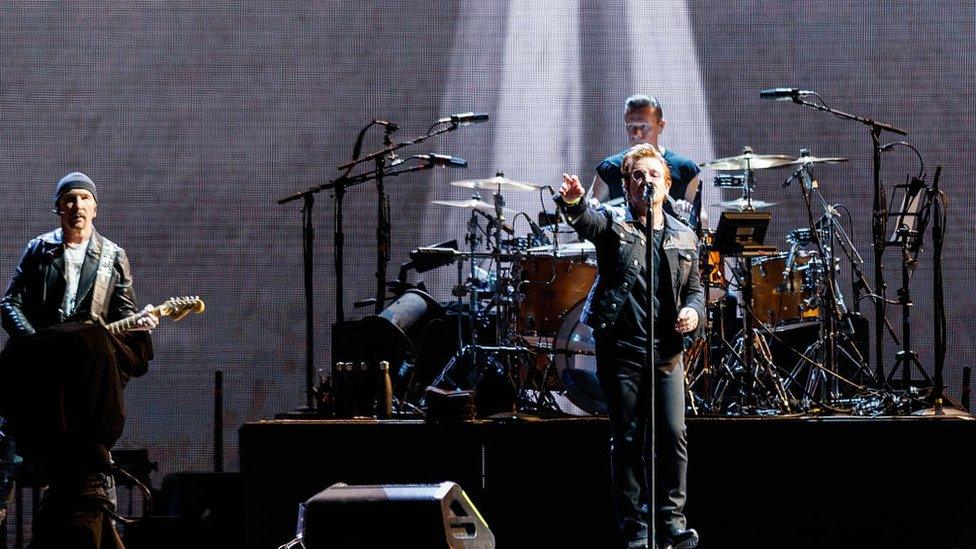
(443, 160)
(649, 196)
(783, 94)
(464, 118)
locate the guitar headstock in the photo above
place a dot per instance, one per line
(178, 307)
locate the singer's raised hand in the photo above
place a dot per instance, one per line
(571, 189)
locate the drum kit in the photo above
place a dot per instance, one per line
(778, 339)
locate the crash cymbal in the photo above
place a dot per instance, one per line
(496, 183)
(749, 161)
(740, 204)
(818, 160)
(474, 204)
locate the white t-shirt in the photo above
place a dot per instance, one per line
(74, 257)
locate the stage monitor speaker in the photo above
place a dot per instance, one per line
(393, 515)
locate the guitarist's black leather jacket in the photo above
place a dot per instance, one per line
(36, 292)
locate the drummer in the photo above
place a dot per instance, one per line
(644, 120)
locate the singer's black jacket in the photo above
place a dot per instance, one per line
(620, 258)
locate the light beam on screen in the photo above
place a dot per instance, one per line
(665, 65)
(535, 120)
(472, 85)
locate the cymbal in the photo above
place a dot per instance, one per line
(473, 204)
(740, 204)
(818, 160)
(497, 183)
(749, 161)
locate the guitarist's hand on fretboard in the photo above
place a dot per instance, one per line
(147, 321)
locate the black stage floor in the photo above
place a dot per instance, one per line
(753, 483)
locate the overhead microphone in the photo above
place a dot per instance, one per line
(464, 118)
(443, 160)
(783, 94)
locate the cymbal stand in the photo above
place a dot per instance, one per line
(821, 358)
(477, 357)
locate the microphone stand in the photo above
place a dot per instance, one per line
(649, 362)
(338, 186)
(938, 295)
(879, 217)
(383, 228)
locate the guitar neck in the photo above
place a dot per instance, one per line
(126, 324)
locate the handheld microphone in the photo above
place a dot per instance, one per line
(783, 94)
(464, 118)
(443, 160)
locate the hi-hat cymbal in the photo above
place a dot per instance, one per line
(818, 160)
(497, 183)
(474, 204)
(749, 161)
(740, 204)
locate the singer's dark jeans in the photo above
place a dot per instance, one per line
(626, 387)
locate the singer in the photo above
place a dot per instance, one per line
(616, 311)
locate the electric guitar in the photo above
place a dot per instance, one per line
(174, 307)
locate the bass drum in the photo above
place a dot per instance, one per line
(574, 356)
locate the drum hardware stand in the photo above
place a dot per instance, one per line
(702, 347)
(832, 306)
(741, 234)
(749, 381)
(481, 357)
(879, 213)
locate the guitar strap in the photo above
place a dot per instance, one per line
(103, 278)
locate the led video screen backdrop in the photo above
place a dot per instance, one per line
(194, 117)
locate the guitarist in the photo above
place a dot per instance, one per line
(63, 374)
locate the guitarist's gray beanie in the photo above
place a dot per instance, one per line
(74, 180)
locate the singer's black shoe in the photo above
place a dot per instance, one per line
(681, 539)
